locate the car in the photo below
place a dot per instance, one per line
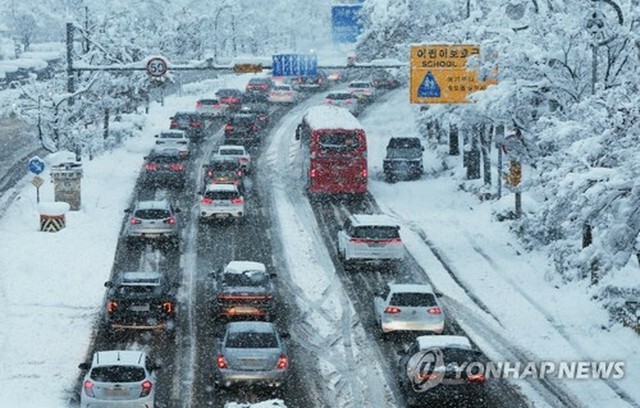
(242, 128)
(441, 367)
(260, 85)
(363, 90)
(244, 289)
(140, 301)
(383, 79)
(211, 108)
(404, 307)
(313, 83)
(173, 139)
(335, 76)
(153, 221)
(343, 99)
(403, 159)
(252, 352)
(258, 108)
(234, 152)
(369, 238)
(283, 93)
(119, 378)
(164, 166)
(221, 201)
(190, 122)
(223, 171)
(231, 97)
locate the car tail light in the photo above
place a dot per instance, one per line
(176, 167)
(168, 307)
(146, 388)
(239, 173)
(151, 167)
(228, 128)
(195, 124)
(313, 173)
(364, 173)
(238, 200)
(221, 361)
(254, 128)
(282, 362)
(349, 101)
(174, 124)
(434, 310)
(392, 310)
(477, 378)
(88, 388)
(206, 201)
(210, 173)
(135, 221)
(170, 220)
(243, 160)
(198, 105)
(329, 101)
(112, 306)
(360, 241)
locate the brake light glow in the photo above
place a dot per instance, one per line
(146, 388)
(254, 127)
(313, 173)
(167, 307)
(228, 128)
(221, 361)
(329, 101)
(195, 124)
(206, 201)
(434, 310)
(392, 310)
(151, 167)
(239, 173)
(112, 306)
(282, 362)
(349, 101)
(176, 167)
(364, 173)
(479, 378)
(170, 221)
(135, 221)
(174, 124)
(238, 200)
(243, 160)
(88, 388)
(217, 106)
(198, 105)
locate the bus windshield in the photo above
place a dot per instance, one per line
(336, 142)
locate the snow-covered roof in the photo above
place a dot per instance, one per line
(141, 278)
(331, 117)
(429, 342)
(117, 357)
(241, 266)
(373, 220)
(231, 147)
(259, 327)
(222, 187)
(156, 204)
(411, 287)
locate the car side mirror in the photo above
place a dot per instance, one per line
(422, 148)
(108, 284)
(273, 275)
(199, 193)
(439, 294)
(127, 210)
(285, 335)
(156, 136)
(84, 366)
(177, 210)
(145, 157)
(154, 367)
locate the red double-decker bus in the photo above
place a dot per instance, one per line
(334, 147)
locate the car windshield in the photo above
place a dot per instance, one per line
(228, 92)
(404, 153)
(231, 152)
(221, 195)
(118, 374)
(339, 141)
(152, 214)
(225, 164)
(360, 85)
(171, 136)
(259, 81)
(410, 299)
(282, 88)
(340, 96)
(376, 232)
(246, 278)
(208, 101)
(407, 143)
(161, 158)
(224, 174)
(182, 118)
(251, 340)
(242, 120)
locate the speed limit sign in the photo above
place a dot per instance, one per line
(156, 67)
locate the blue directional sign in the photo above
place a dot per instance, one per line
(36, 165)
(285, 65)
(346, 24)
(429, 87)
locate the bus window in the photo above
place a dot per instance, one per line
(339, 141)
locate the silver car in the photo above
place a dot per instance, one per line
(403, 307)
(252, 352)
(173, 139)
(119, 378)
(153, 221)
(343, 99)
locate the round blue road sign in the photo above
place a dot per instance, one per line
(36, 165)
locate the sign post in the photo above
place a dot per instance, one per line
(37, 182)
(36, 166)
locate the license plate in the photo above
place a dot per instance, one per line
(376, 245)
(139, 308)
(223, 203)
(117, 392)
(252, 362)
(223, 215)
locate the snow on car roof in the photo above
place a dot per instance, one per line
(443, 341)
(117, 357)
(148, 205)
(410, 287)
(259, 327)
(241, 266)
(141, 278)
(373, 220)
(230, 147)
(331, 117)
(222, 187)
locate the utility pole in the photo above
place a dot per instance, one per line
(86, 29)
(70, 83)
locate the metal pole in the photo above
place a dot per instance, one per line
(70, 83)
(38, 195)
(500, 149)
(594, 67)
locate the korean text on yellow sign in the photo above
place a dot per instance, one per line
(439, 73)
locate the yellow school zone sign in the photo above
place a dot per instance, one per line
(439, 73)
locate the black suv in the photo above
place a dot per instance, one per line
(242, 128)
(314, 83)
(224, 172)
(244, 289)
(140, 301)
(259, 86)
(164, 167)
(190, 122)
(404, 158)
(257, 104)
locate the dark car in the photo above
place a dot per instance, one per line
(260, 109)
(140, 301)
(242, 128)
(244, 289)
(224, 172)
(164, 167)
(441, 368)
(383, 79)
(231, 97)
(314, 83)
(404, 158)
(190, 122)
(259, 85)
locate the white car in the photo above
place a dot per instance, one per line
(364, 90)
(369, 237)
(221, 201)
(211, 108)
(119, 378)
(283, 93)
(173, 139)
(234, 152)
(344, 99)
(405, 307)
